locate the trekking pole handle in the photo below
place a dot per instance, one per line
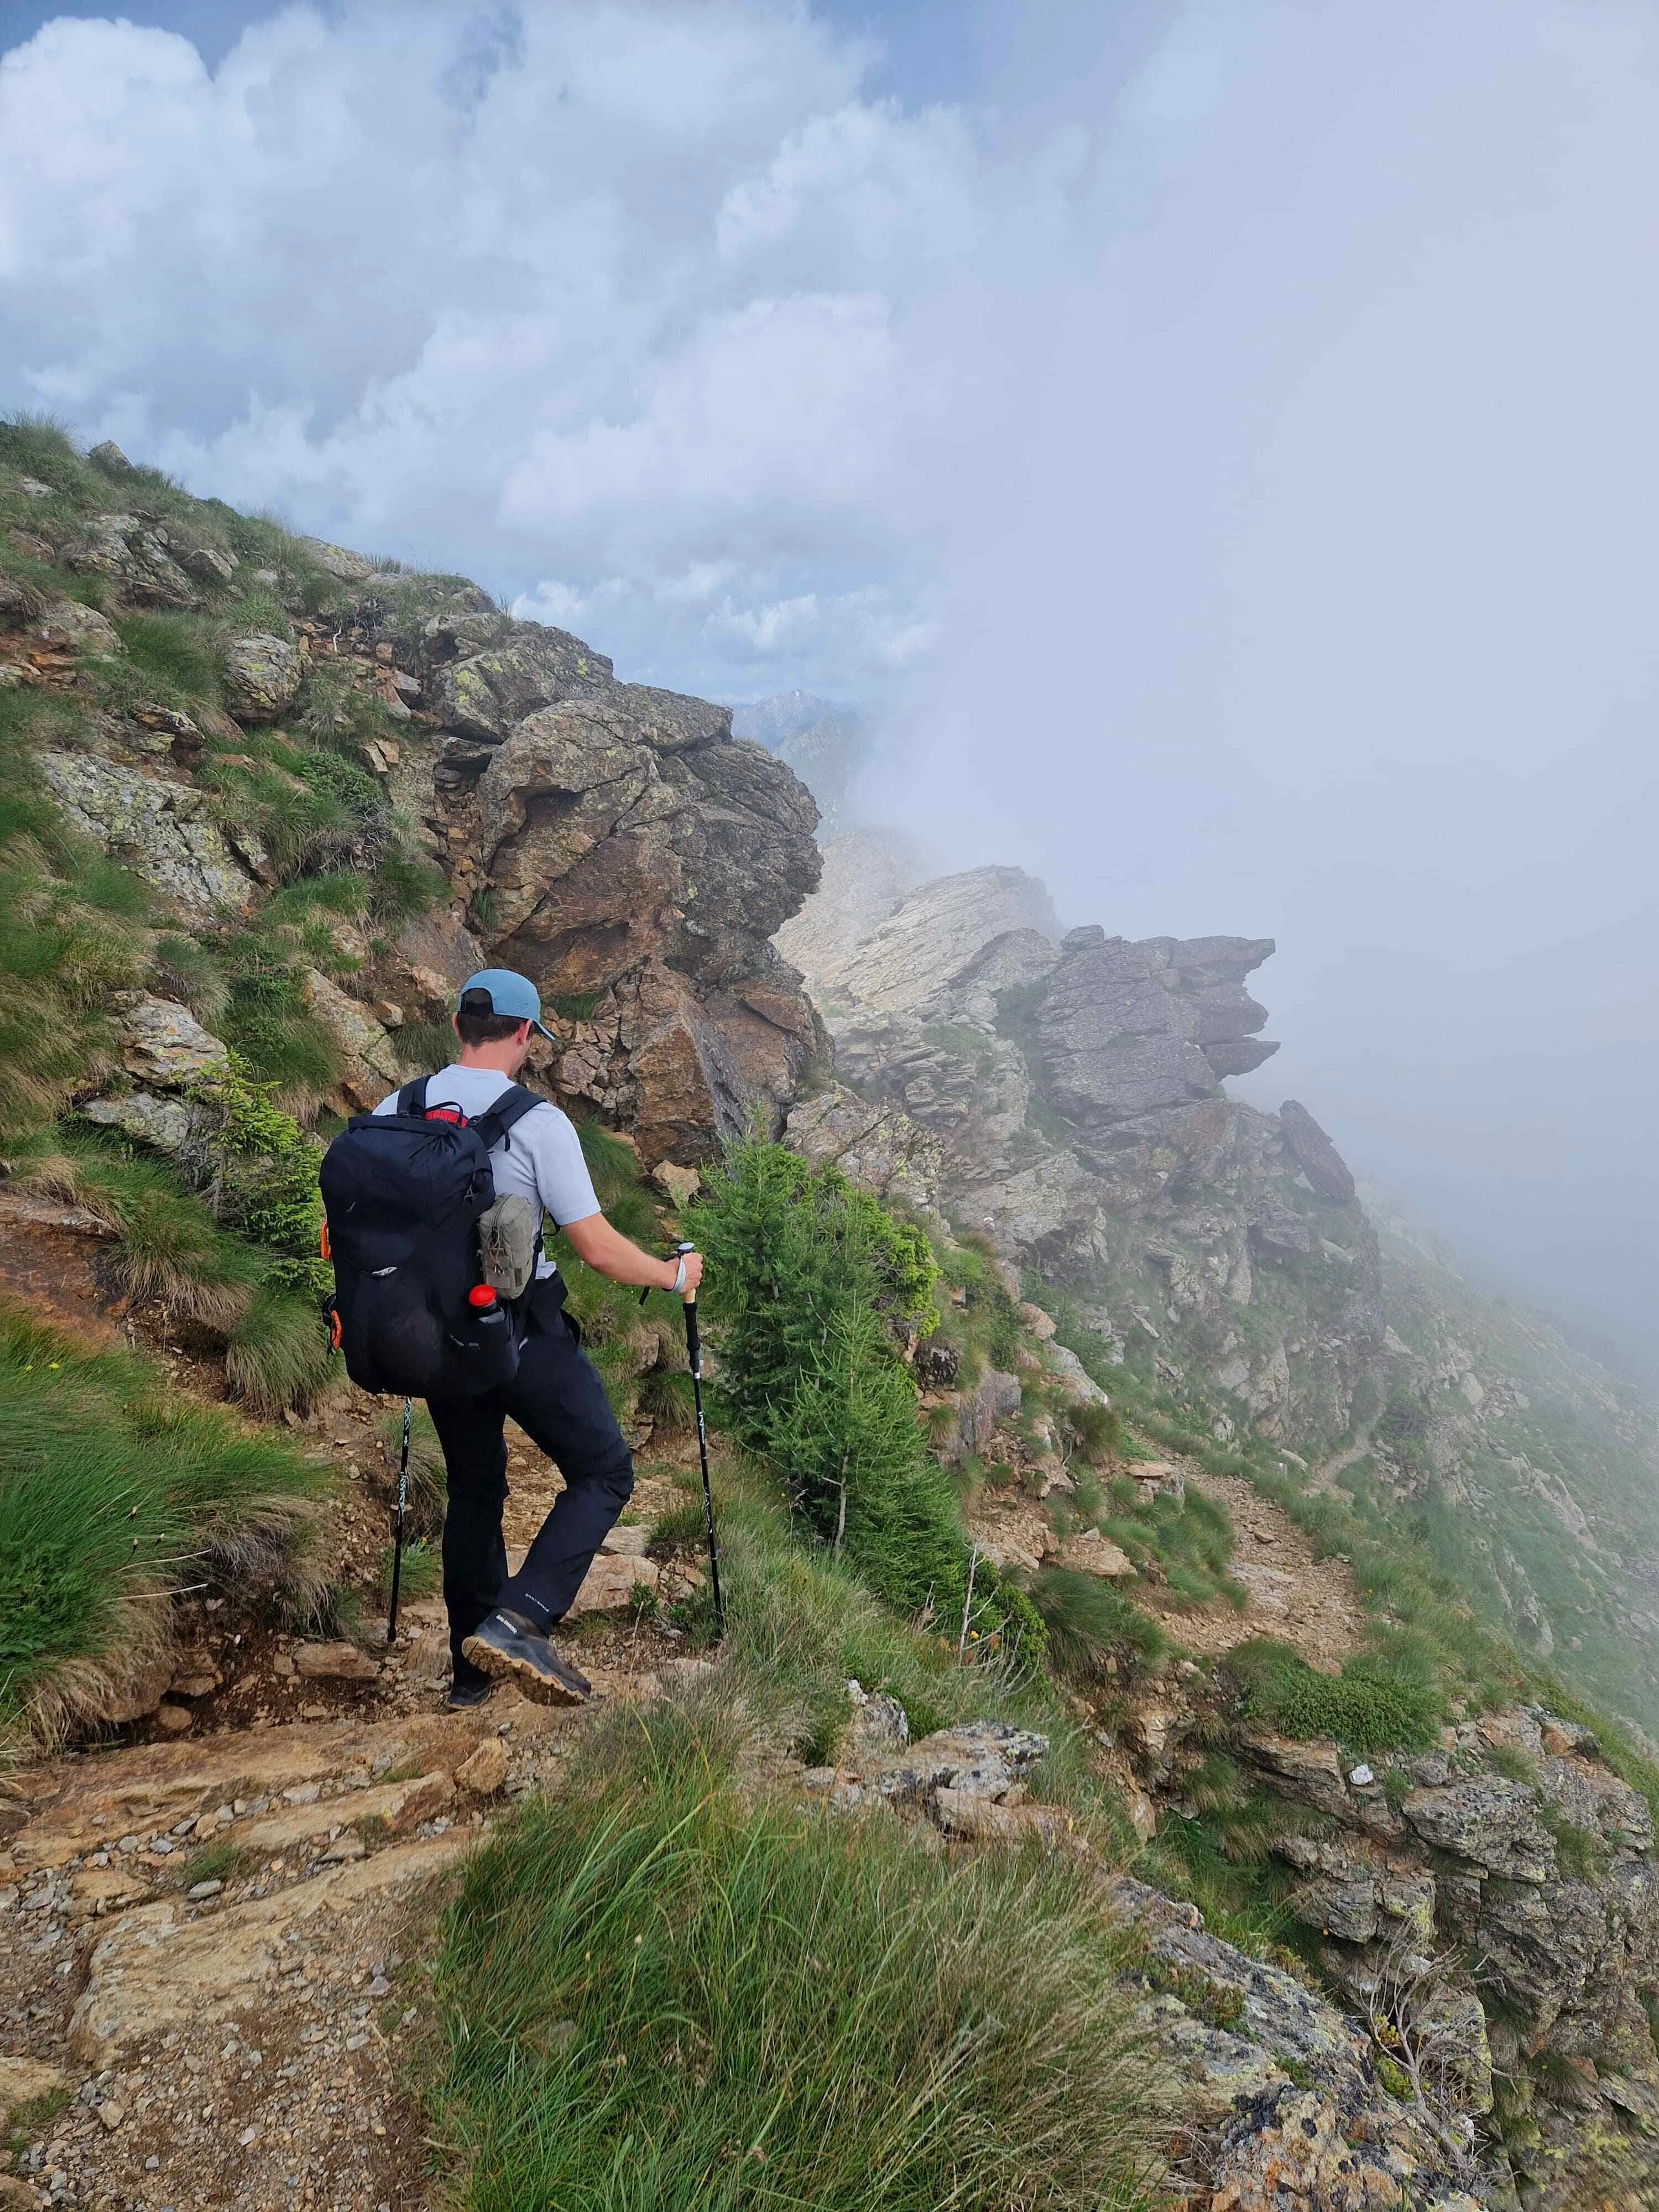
(693, 1342)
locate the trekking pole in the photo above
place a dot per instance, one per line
(397, 1527)
(693, 1355)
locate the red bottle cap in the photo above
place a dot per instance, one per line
(481, 1294)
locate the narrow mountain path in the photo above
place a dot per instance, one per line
(215, 1948)
(1306, 1602)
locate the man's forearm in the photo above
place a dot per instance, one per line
(607, 1249)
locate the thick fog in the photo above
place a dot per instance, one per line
(1215, 440)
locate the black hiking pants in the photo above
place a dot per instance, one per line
(558, 1400)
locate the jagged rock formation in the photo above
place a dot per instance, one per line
(1075, 1089)
(619, 846)
(612, 840)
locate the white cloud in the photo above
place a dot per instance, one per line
(613, 291)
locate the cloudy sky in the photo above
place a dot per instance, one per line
(1217, 437)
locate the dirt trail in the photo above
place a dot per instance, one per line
(216, 1946)
(1304, 1600)
(1310, 1603)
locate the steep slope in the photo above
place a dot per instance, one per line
(1067, 1101)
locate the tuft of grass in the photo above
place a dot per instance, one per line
(112, 1491)
(656, 1991)
(169, 1251)
(419, 1576)
(1090, 1623)
(171, 658)
(219, 1861)
(278, 1358)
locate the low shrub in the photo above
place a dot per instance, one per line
(1373, 1705)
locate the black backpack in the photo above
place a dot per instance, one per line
(402, 1193)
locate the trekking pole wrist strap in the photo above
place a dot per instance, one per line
(679, 1283)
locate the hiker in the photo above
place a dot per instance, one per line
(499, 1623)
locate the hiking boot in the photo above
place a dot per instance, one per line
(468, 1691)
(508, 1649)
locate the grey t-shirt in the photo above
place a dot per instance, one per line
(541, 1157)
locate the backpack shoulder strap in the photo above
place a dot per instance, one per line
(511, 1106)
(411, 1099)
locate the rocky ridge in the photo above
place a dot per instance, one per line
(1074, 1092)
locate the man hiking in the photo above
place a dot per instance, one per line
(499, 1623)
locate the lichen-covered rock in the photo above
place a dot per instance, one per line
(163, 1124)
(262, 674)
(369, 1066)
(512, 670)
(65, 626)
(877, 1146)
(1490, 1821)
(163, 1044)
(1302, 2158)
(135, 553)
(164, 831)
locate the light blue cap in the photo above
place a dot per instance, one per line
(510, 994)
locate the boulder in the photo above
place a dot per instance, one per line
(995, 1396)
(610, 1584)
(24, 2080)
(369, 1065)
(135, 553)
(980, 1759)
(1299, 2154)
(262, 674)
(65, 626)
(164, 831)
(163, 1044)
(1124, 1027)
(484, 694)
(684, 1069)
(1347, 1908)
(339, 1661)
(484, 1774)
(163, 1124)
(909, 959)
(1091, 1553)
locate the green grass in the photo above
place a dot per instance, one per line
(658, 1992)
(171, 658)
(420, 1575)
(277, 1356)
(113, 1488)
(1090, 1625)
(1377, 1703)
(169, 1251)
(67, 927)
